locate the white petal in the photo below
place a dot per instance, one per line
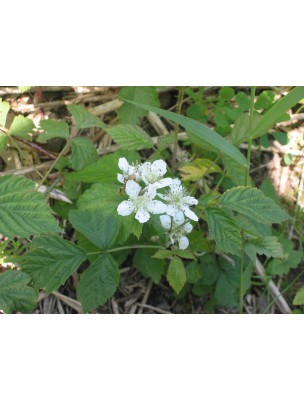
(123, 164)
(120, 178)
(183, 242)
(190, 214)
(132, 188)
(163, 183)
(176, 186)
(125, 208)
(178, 218)
(145, 180)
(142, 215)
(190, 200)
(159, 167)
(150, 192)
(166, 221)
(156, 207)
(171, 210)
(187, 228)
(146, 168)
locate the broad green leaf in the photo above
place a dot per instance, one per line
(252, 226)
(268, 245)
(98, 283)
(130, 137)
(194, 272)
(185, 254)
(240, 131)
(136, 228)
(15, 294)
(275, 112)
(281, 137)
(282, 267)
(226, 93)
(299, 298)
(23, 212)
(4, 109)
(21, 127)
(83, 153)
(162, 254)
(201, 132)
(242, 101)
(105, 196)
(130, 114)
(148, 266)
(53, 129)
(176, 274)
(100, 228)
(224, 231)
(196, 169)
(227, 285)
(51, 260)
(210, 269)
(83, 118)
(198, 242)
(264, 100)
(3, 141)
(105, 169)
(235, 171)
(164, 141)
(253, 203)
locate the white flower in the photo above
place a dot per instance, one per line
(153, 173)
(128, 171)
(140, 202)
(179, 200)
(177, 229)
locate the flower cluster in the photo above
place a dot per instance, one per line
(141, 182)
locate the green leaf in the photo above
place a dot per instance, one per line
(253, 203)
(242, 101)
(83, 118)
(275, 112)
(51, 260)
(252, 226)
(3, 141)
(235, 171)
(53, 129)
(104, 196)
(130, 137)
(83, 153)
(148, 266)
(98, 283)
(185, 254)
(240, 132)
(21, 127)
(227, 285)
(299, 298)
(105, 169)
(196, 169)
(130, 114)
(269, 190)
(176, 274)
(268, 245)
(100, 228)
(281, 137)
(194, 272)
(164, 141)
(23, 212)
(282, 267)
(226, 93)
(224, 231)
(264, 100)
(201, 132)
(162, 254)
(15, 294)
(210, 269)
(4, 109)
(136, 228)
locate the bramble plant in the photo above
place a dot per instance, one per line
(181, 205)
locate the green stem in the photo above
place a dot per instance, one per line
(138, 246)
(242, 282)
(252, 95)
